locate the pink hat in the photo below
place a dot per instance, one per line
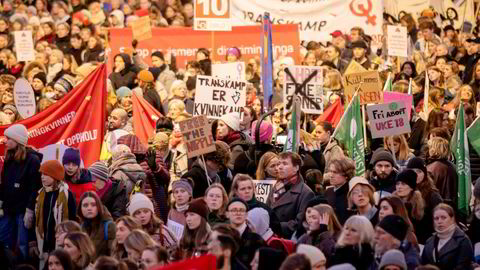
(266, 131)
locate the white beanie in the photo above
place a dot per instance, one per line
(232, 120)
(260, 219)
(314, 254)
(18, 133)
(139, 201)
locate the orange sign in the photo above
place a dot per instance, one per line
(212, 15)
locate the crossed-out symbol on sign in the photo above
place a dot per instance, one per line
(298, 88)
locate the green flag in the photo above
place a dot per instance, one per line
(388, 84)
(293, 136)
(472, 133)
(459, 148)
(349, 133)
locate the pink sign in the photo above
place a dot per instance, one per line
(395, 96)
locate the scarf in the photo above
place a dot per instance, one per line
(175, 139)
(107, 187)
(231, 137)
(181, 208)
(60, 210)
(445, 235)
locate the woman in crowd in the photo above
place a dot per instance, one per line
(124, 226)
(330, 149)
(81, 250)
(398, 144)
(59, 259)
(182, 194)
(228, 131)
(361, 199)
(197, 230)
(63, 229)
(136, 242)
(267, 167)
(441, 170)
(154, 256)
(216, 199)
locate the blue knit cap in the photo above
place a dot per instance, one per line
(123, 92)
(71, 155)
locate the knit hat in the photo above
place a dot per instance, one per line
(265, 131)
(119, 150)
(159, 140)
(314, 254)
(408, 177)
(133, 142)
(71, 155)
(394, 225)
(221, 155)
(18, 133)
(64, 84)
(382, 155)
(139, 201)
(358, 180)
(11, 108)
(182, 183)
(41, 76)
(259, 218)
(234, 200)
(232, 120)
(53, 168)
(417, 163)
(99, 170)
(198, 206)
(343, 266)
(359, 44)
(393, 257)
(123, 92)
(158, 54)
(145, 76)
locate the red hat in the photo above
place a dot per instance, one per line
(336, 33)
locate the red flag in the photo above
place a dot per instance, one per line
(77, 120)
(207, 262)
(332, 114)
(144, 118)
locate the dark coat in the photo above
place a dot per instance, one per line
(387, 184)
(424, 228)
(126, 77)
(457, 253)
(199, 179)
(92, 55)
(339, 202)
(116, 200)
(322, 239)
(445, 178)
(63, 44)
(416, 141)
(96, 232)
(251, 242)
(352, 255)
(152, 97)
(247, 161)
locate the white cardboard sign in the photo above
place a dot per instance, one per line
(235, 71)
(263, 189)
(24, 45)
(313, 89)
(397, 41)
(24, 98)
(388, 119)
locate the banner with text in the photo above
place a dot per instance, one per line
(235, 71)
(311, 96)
(197, 134)
(370, 90)
(263, 189)
(399, 97)
(388, 119)
(219, 96)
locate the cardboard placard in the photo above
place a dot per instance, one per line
(354, 67)
(400, 97)
(263, 189)
(370, 91)
(313, 89)
(397, 41)
(217, 96)
(234, 70)
(24, 45)
(197, 133)
(212, 15)
(24, 98)
(176, 228)
(388, 119)
(142, 28)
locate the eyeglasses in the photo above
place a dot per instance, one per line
(237, 211)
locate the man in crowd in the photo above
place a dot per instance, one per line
(333, 55)
(224, 242)
(383, 175)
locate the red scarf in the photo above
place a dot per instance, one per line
(231, 137)
(107, 187)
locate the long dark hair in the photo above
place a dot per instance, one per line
(63, 257)
(91, 226)
(193, 239)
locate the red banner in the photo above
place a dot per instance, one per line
(144, 118)
(206, 262)
(184, 42)
(78, 120)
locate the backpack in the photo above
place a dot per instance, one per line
(105, 229)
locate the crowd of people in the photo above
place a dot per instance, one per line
(146, 206)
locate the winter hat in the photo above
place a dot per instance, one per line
(260, 219)
(158, 54)
(221, 155)
(343, 266)
(32, 10)
(358, 180)
(139, 201)
(119, 150)
(394, 225)
(145, 76)
(42, 77)
(232, 120)
(265, 131)
(393, 257)
(237, 200)
(53, 168)
(198, 206)
(71, 155)
(18, 133)
(417, 163)
(408, 177)
(382, 155)
(11, 108)
(160, 141)
(314, 254)
(99, 170)
(123, 92)
(64, 84)
(359, 44)
(182, 183)
(133, 142)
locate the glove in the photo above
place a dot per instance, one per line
(152, 159)
(1, 209)
(134, 43)
(28, 219)
(33, 252)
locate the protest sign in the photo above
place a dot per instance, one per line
(219, 96)
(212, 15)
(388, 119)
(176, 228)
(263, 189)
(313, 89)
(24, 98)
(55, 152)
(395, 96)
(24, 45)
(235, 71)
(354, 67)
(370, 90)
(397, 41)
(142, 28)
(197, 134)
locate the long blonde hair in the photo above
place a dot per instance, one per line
(263, 163)
(403, 150)
(138, 240)
(334, 225)
(362, 225)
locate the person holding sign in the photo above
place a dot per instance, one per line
(228, 131)
(360, 48)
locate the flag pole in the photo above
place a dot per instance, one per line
(364, 126)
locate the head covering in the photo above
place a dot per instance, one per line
(199, 207)
(53, 168)
(139, 201)
(11, 108)
(358, 180)
(359, 44)
(145, 76)
(160, 141)
(123, 92)
(99, 170)
(234, 51)
(232, 120)
(182, 183)
(260, 219)
(314, 254)
(382, 155)
(119, 150)
(18, 133)
(41, 76)
(234, 200)
(417, 163)
(64, 84)
(343, 266)
(158, 54)
(336, 34)
(71, 155)
(133, 142)
(394, 225)
(408, 177)
(119, 16)
(265, 131)
(393, 257)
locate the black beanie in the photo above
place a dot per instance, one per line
(359, 44)
(408, 177)
(42, 77)
(394, 225)
(199, 207)
(237, 200)
(158, 54)
(417, 163)
(382, 155)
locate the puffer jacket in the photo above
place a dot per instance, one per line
(126, 169)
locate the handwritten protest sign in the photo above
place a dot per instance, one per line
(388, 119)
(263, 189)
(235, 71)
(313, 89)
(217, 96)
(354, 67)
(370, 90)
(395, 96)
(24, 98)
(397, 41)
(24, 45)
(197, 133)
(142, 28)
